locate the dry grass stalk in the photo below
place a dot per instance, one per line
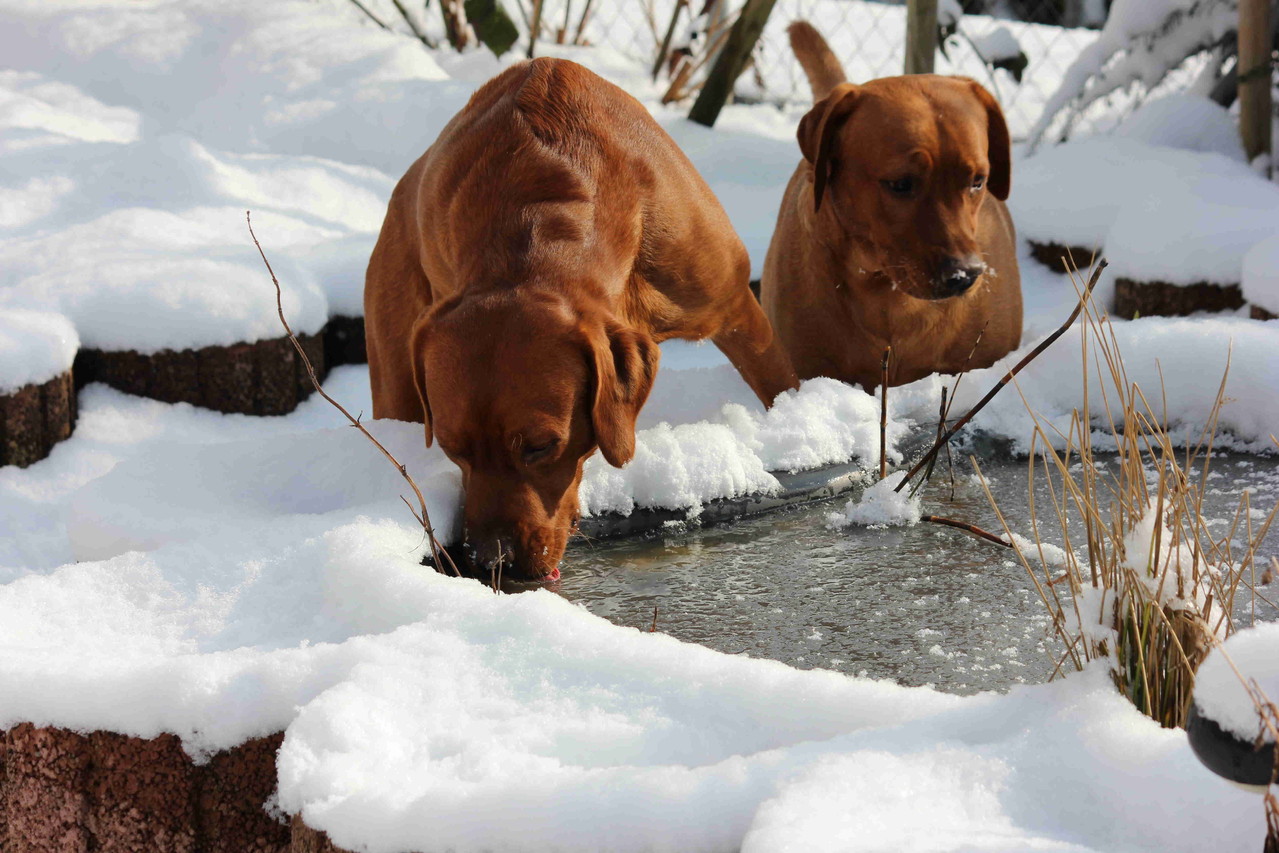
(883, 413)
(967, 528)
(1154, 588)
(420, 514)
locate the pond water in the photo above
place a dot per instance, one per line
(918, 605)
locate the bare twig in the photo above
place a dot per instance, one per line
(967, 528)
(421, 515)
(1008, 377)
(581, 22)
(413, 27)
(535, 27)
(374, 18)
(665, 47)
(652, 629)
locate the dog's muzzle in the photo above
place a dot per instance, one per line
(956, 276)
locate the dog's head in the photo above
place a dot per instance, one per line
(901, 167)
(519, 390)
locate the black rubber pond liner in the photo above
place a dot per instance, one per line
(795, 489)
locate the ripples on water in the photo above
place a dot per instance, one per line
(919, 605)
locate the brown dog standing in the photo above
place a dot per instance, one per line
(893, 230)
(530, 262)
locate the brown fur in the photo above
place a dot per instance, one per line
(855, 265)
(530, 262)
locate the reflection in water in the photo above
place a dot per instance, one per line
(919, 605)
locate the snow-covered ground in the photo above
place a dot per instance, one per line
(239, 575)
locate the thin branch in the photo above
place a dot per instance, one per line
(967, 528)
(1008, 377)
(421, 515)
(883, 412)
(374, 18)
(413, 27)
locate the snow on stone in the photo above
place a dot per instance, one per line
(997, 44)
(879, 506)
(1187, 122)
(1261, 274)
(35, 347)
(1220, 692)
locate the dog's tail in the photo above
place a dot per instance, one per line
(819, 62)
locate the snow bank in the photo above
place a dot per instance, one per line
(1162, 213)
(1261, 274)
(625, 744)
(1220, 692)
(34, 347)
(1186, 122)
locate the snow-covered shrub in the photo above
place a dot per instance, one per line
(1142, 41)
(1148, 584)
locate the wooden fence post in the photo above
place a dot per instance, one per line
(921, 36)
(732, 59)
(1254, 77)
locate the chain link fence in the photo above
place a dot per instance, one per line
(1019, 49)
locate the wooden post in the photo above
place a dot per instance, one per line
(732, 60)
(921, 36)
(1254, 77)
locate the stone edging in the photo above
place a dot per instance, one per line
(35, 418)
(261, 378)
(1158, 298)
(1050, 254)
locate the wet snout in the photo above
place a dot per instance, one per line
(508, 532)
(956, 274)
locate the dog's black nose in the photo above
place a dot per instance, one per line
(956, 275)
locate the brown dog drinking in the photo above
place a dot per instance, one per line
(529, 264)
(893, 230)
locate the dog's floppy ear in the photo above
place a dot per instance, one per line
(417, 355)
(999, 148)
(625, 365)
(817, 132)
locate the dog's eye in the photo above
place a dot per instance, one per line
(978, 183)
(534, 452)
(900, 186)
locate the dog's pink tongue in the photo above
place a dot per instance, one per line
(554, 574)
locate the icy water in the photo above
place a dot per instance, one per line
(919, 605)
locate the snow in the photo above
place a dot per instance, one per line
(879, 506)
(35, 347)
(1186, 122)
(1251, 656)
(1261, 274)
(239, 576)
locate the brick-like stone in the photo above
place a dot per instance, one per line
(1060, 257)
(344, 341)
(1259, 313)
(1158, 298)
(141, 794)
(23, 438)
(308, 840)
(45, 800)
(236, 785)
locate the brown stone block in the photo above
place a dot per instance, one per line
(141, 793)
(58, 398)
(86, 367)
(22, 431)
(226, 378)
(1158, 298)
(308, 840)
(236, 785)
(1259, 313)
(43, 793)
(275, 388)
(175, 376)
(1056, 256)
(129, 371)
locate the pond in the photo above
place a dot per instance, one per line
(918, 605)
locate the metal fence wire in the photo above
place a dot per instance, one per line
(1019, 49)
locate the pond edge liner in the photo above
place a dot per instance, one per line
(795, 489)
